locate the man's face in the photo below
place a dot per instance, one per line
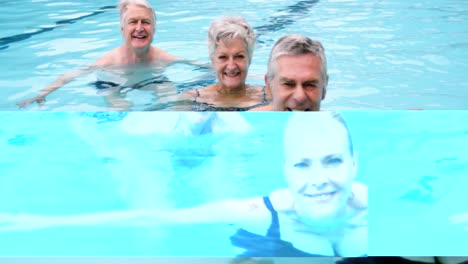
(319, 169)
(298, 83)
(138, 27)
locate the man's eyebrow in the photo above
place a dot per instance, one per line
(285, 79)
(314, 81)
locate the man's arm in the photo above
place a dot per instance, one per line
(106, 60)
(59, 82)
(171, 59)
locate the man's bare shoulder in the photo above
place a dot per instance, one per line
(159, 54)
(110, 58)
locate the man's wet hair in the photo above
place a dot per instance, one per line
(123, 4)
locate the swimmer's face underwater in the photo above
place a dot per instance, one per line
(319, 168)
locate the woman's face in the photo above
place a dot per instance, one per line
(320, 170)
(231, 63)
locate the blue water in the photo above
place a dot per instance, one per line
(381, 54)
(417, 180)
(71, 163)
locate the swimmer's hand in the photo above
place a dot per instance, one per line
(459, 219)
(40, 100)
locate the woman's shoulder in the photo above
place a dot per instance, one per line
(256, 88)
(359, 195)
(194, 93)
(202, 90)
(358, 207)
(282, 200)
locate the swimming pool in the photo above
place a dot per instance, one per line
(381, 54)
(63, 165)
(416, 167)
(71, 163)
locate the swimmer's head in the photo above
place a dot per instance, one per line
(294, 45)
(297, 74)
(124, 4)
(319, 164)
(229, 28)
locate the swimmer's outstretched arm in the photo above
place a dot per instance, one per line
(59, 82)
(227, 211)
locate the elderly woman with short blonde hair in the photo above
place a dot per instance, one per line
(231, 42)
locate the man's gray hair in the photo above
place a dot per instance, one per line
(123, 4)
(296, 45)
(228, 28)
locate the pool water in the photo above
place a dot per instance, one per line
(59, 163)
(381, 54)
(416, 181)
(71, 163)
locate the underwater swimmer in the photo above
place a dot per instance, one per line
(323, 212)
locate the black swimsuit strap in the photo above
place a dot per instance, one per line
(274, 229)
(198, 95)
(264, 94)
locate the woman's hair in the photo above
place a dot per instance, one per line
(300, 121)
(228, 28)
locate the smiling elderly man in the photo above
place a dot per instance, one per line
(297, 75)
(137, 26)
